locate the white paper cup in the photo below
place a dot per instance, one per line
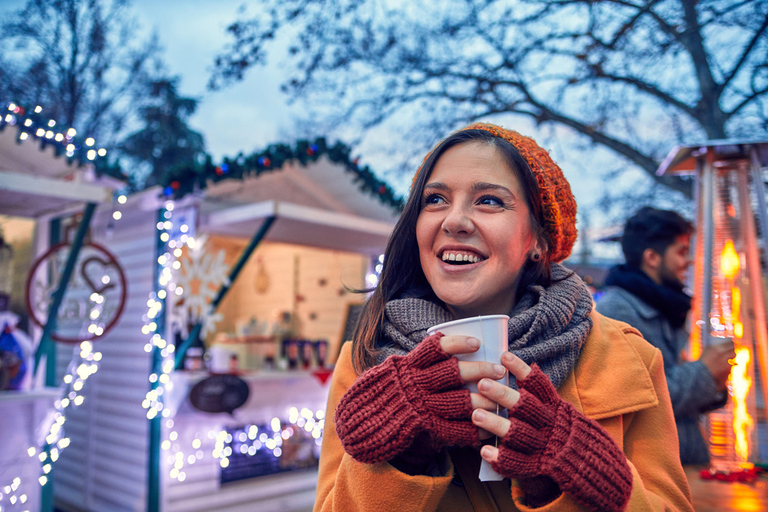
(491, 330)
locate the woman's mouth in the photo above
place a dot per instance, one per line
(461, 257)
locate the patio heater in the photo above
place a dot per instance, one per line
(729, 285)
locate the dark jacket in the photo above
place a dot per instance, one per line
(691, 385)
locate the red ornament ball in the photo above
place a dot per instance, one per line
(175, 185)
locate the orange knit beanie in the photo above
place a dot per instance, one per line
(558, 203)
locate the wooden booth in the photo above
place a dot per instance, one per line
(46, 173)
(212, 388)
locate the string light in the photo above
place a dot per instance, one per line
(82, 366)
(32, 123)
(153, 400)
(246, 441)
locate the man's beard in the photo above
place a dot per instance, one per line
(670, 279)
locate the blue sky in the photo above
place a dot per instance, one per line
(253, 113)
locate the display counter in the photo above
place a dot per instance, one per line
(23, 414)
(261, 456)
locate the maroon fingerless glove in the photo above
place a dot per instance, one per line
(549, 440)
(418, 397)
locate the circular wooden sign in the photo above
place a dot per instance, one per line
(94, 297)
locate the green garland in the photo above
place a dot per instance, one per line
(186, 179)
(33, 125)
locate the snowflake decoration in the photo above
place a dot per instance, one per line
(197, 282)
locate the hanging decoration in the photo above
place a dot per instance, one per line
(196, 278)
(180, 181)
(262, 278)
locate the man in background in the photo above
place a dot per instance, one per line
(647, 293)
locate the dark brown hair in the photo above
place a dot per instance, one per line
(651, 228)
(401, 271)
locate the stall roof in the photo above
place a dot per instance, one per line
(319, 204)
(682, 159)
(35, 181)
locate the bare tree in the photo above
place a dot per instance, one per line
(81, 60)
(633, 76)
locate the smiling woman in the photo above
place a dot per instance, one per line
(586, 423)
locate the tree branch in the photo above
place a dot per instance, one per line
(747, 100)
(745, 54)
(653, 91)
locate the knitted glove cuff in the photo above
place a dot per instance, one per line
(384, 410)
(587, 463)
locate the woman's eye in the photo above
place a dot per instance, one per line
(490, 201)
(433, 199)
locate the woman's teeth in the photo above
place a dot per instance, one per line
(469, 258)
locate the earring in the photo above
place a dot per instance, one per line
(535, 256)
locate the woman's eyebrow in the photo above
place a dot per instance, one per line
(483, 186)
(476, 187)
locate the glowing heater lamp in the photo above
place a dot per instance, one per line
(729, 285)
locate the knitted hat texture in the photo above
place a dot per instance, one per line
(559, 205)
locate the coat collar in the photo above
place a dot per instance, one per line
(611, 377)
(645, 310)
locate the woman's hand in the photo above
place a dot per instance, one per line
(476, 371)
(417, 398)
(493, 394)
(550, 447)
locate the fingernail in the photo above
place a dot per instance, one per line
(473, 342)
(485, 452)
(479, 414)
(484, 385)
(508, 356)
(499, 369)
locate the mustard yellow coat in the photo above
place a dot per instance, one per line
(618, 380)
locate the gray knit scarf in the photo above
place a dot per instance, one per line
(547, 326)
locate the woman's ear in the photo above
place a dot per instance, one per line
(538, 249)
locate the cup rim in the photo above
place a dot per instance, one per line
(460, 321)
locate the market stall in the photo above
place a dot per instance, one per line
(45, 173)
(211, 388)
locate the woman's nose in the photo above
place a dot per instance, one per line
(458, 220)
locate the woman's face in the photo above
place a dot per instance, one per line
(474, 231)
